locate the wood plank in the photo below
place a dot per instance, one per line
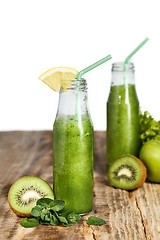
(129, 214)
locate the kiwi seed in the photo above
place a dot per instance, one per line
(129, 176)
(24, 190)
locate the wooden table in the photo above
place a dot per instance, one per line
(129, 215)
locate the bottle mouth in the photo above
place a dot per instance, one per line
(119, 67)
(74, 84)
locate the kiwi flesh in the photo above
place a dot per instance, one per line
(25, 192)
(127, 172)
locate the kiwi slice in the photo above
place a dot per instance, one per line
(127, 172)
(25, 192)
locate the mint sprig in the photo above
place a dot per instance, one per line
(50, 212)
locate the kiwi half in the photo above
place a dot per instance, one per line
(25, 192)
(127, 172)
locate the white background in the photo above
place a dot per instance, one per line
(37, 35)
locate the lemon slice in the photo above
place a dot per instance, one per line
(59, 77)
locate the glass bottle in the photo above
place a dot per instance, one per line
(73, 149)
(122, 114)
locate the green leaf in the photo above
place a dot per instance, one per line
(44, 222)
(36, 211)
(67, 224)
(44, 212)
(29, 222)
(44, 202)
(149, 128)
(65, 214)
(57, 205)
(73, 217)
(62, 219)
(47, 217)
(54, 221)
(95, 221)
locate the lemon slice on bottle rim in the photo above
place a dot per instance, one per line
(59, 77)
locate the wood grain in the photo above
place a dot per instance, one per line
(129, 215)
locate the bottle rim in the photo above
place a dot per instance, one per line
(119, 67)
(80, 85)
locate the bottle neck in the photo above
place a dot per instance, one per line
(72, 99)
(122, 74)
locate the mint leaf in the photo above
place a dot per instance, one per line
(44, 202)
(29, 222)
(95, 221)
(73, 217)
(57, 205)
(67, 224)
(65, 214)
(47, 217)
(44, 222)
(44, 213)
(62, 219)
(54, 221)
(36, 211)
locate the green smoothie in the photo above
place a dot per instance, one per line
(122, 122)
(73, 163)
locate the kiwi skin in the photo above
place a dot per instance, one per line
(143, 172)
(21, 214)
